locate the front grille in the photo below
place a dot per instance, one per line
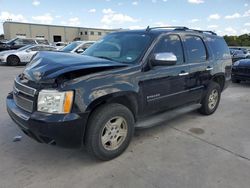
(242, 70)
(24, 96)
(24, 89)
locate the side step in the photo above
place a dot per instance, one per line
(154, 120)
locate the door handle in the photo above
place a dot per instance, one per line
(209, 68)
(183, 74)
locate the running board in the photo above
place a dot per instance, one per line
(154, 120)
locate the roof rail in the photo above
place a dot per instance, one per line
(180, 28)
(201, 31)
(167, 27)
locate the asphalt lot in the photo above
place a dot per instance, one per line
(174, 154)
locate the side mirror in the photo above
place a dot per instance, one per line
(29, 50)
(164, 59)
(80, 50)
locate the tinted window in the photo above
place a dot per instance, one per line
(195, 49)
(28, 41)
(171, 43)
(219, 48)
(42, 42)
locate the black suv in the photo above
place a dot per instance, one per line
(97, 99)
(17, 43)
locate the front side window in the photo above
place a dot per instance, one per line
(171, 43)
(121, 47)
(196, 50)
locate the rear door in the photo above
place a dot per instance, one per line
(164, 87)
(199, 66)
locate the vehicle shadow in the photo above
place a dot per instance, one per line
(245, 84)
(28, 151)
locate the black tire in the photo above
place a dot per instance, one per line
(206, 107)
(235, 81)
(13, 60)
(96, 126)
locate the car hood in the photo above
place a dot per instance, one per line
(243, 63)
(8, 52)
(50, 65)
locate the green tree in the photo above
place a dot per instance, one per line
(242, 40)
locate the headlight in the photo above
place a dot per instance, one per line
(236, 63)
(52, 101)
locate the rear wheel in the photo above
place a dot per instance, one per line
(109, 131)
(211, 100)
(13, 60)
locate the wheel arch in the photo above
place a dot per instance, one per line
(220, 79)
(128, 99)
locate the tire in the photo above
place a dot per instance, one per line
(102, 140)
(13, 60)
(211, 100)
(235, 81)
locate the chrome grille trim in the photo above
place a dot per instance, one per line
(23, 103)
(24, 89)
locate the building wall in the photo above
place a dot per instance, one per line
(49, 32)
(71, 33)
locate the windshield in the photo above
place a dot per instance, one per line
(24, 48)
(10, 41)
(71, 46)
(121, 47)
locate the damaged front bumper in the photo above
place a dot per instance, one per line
(66, 130)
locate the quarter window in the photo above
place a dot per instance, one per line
(196, 50)
(171, 43)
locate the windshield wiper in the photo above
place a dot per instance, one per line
(104, 57)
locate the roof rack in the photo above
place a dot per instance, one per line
(167, 27)
(180, 28)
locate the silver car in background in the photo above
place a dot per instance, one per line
(77, 46)
(23, 55)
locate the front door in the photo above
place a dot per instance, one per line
(164, 87)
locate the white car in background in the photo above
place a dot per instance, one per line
(23, 55)
(77, 46)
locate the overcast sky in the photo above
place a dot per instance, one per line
(231, 17)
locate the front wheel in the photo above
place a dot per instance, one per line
(109, 131)
(13, 60)
(211, 100)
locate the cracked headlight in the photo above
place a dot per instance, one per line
(53, 101)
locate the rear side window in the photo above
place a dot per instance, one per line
(219, 47)
(42, 42)
(171, 43)
(28, 41)
(196, 50)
